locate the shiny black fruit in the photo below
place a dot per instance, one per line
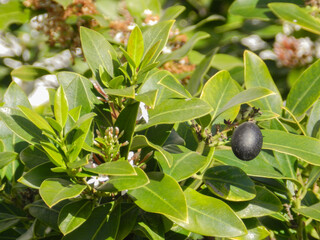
(246, 141)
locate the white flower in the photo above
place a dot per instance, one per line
(118, 37)
(130, 156)
(166, 50)
(147, 12)
(96, 180)
(131, 26)
(254, 42)
(143, 112)
(150, 23)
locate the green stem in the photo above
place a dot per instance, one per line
(201, 146)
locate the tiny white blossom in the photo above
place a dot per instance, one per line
(254, 42)
(143, 112)
(118, 37)
(131, 26)
(97, 180)
(130, 156)
(150, 23)
(147, 12)
(166, 50)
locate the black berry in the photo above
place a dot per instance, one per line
(246, 141)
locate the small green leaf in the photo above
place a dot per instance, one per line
(29, 72)
(61, 107)
(8, 221)
(173, 84)
(305, 148)
(117, 168)
(53, 153)
(210, 217)
(54, 190)
(263, 204)
(135, 45)
(149, 55)
(128, 57)
(313, 126)
(6, 158)
(312, 211)
(230, 183)
(121, 183)
(172, 13)
(293, 13)
(13, 12)
(37, 120)
(74, 214)
(149, 98)
(162, 195)
(124, 92)
(305, 91)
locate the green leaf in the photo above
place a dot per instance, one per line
(79, 137)
(312, 211)
(121, 183)
(117, 168)
(257, 75)
(265, 203)
(137, 7)
(149, 98)
(313, 125)
(153, 34)
(135, 45)
(61, 107)
(162, 195)
(217, 92)
(313, 176)
(173, 84)
(300, 16)
(172, 12)
(184, 164)
(230, 183)
(54, 190)
(176, 110)
(16, 121)
(6, 158)
(32, 156)
(53, 153)
(64, 3)
(266, 115)
(255, 230)
(210, 217)
(97, 51)
(305, 91)
(183, 51)
(227, 62)
(7, 221)
(129, 213)
(15, 96)
(305, 148)
(129, 58)
(74, 214)
(34, 177)
(246, 96)
(124, 92)
(78, 91)
(13, 12)
(105, 227)
(140, 141)
(116, 82)
(29, 72)
(149, 55)
(37, 120)
(196, 80)
(202, 22)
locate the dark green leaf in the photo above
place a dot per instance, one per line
(311, 212)
(117, 168)
(6, 158)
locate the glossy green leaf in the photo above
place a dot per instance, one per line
(140, 141)
(15, 96)
(8, 221)
(29, 72)
(313, 125)
(33, 156)
(54, 190)
(258, 75)
(210, 217)
(183, 51)
(230, 183)
(13, 12)
(74, 214)
(129, 213)
(173, 84)
(105, 228)
(53, 153)
(211, 18)
(121, 183)
(263, 204)
(61, 107)
(150, 54)
(176, 110)
(78, 91)
(149, 98)
(162, 195)
(312, 211)
(16, 121)
(6, 158)
(117, 168)
(135, 45)
(217, 92)
(305, 148)
(293, 13)
(196, 80)
(172, 12)
(34, 177)
(227, 62)
(184, 164)
(97, 51)
(124, 92)
(153, 34)
(255, 230)
(246, 96)
(128, 57)
(305, 91)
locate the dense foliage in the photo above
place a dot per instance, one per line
(131, 137)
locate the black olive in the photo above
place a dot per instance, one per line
(246, 141)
